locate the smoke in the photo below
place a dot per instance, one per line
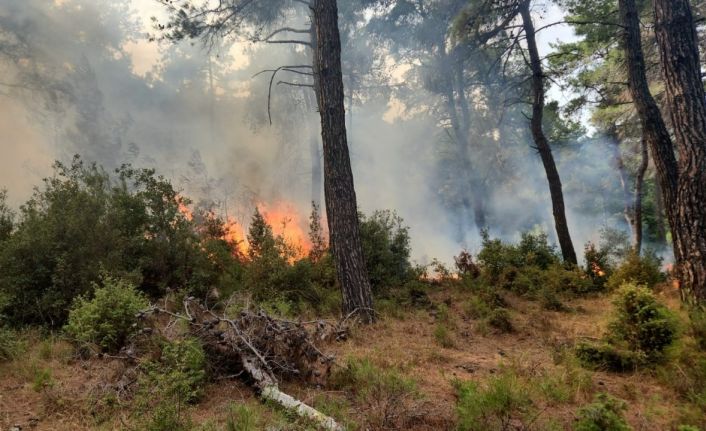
(93, 85)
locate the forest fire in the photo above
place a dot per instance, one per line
(284, 219)
(597, 270)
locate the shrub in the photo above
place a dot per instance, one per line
(171, 382)
(384, 392)
(443, 336)
(499, 319)
(107, 319)
(642, 270)
(598, 266)
(493, 407)
(83, 220)
(697, 323)
(604, 414)
(533, 250)
(242, 418)
(386, 247)
(11, 347)
(465, 265)
(603, 356)
(641, 322)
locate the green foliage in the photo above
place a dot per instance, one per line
(241, 417)
(697, 323)
(638, 335)
(493, 406)
(642, 270)
(7, 217)
(41, 378)
(107, 319)
(604, 356)
(83, 222)
(641, 322)
(170, 383)
(11, 346)
(685, 373)
(384, 391)
(605, 413)
(597, 265)
(496, 257)
(443, 336)
(386, 247)
(499, 318)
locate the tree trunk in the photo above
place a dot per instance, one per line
(540, 140)
(678, 46)
(475, 182)
(654, 130)
(637, 206)
(632, 195)
(341, 206)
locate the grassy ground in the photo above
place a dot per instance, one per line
(401, 373)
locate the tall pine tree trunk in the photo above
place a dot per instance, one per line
(637, 202)
(339, 192)
(679, 52)
(540, 140)
(654, 130)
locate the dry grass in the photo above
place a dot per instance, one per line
(533, 351)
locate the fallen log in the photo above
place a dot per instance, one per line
(263, 348)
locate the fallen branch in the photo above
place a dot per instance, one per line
(264, 348)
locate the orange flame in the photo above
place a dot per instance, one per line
(597, 270)
(286, 222)
(284, 219)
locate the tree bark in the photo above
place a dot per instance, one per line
(339, 191)
(679, 53)
(632, 195)
(637, 205)
(540, 140)
(654, 130)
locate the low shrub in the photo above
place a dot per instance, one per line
(443, 336)
(605, 413)
(384, 392)
(697, 323)
(107, 319)
(241, 417)
(603, 356)
(168, 384)
(11, 345)
(499, 319)
(492, 407)
(386, 248)
(642, 270)
(495, 256)
(641, 323)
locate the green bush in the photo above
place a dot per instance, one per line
(83, 221)
(384, 392)
(499, 319)
(606, 357)
(641, 323)
(108, 318)
(443, 336)
(493, 407)
(386, 247)
(697, 323)
(11, 346)
(241, 417)
(642, 270)
(168, 384)
(495, 256)
(604, 414)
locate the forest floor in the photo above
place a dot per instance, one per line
(48, 388)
